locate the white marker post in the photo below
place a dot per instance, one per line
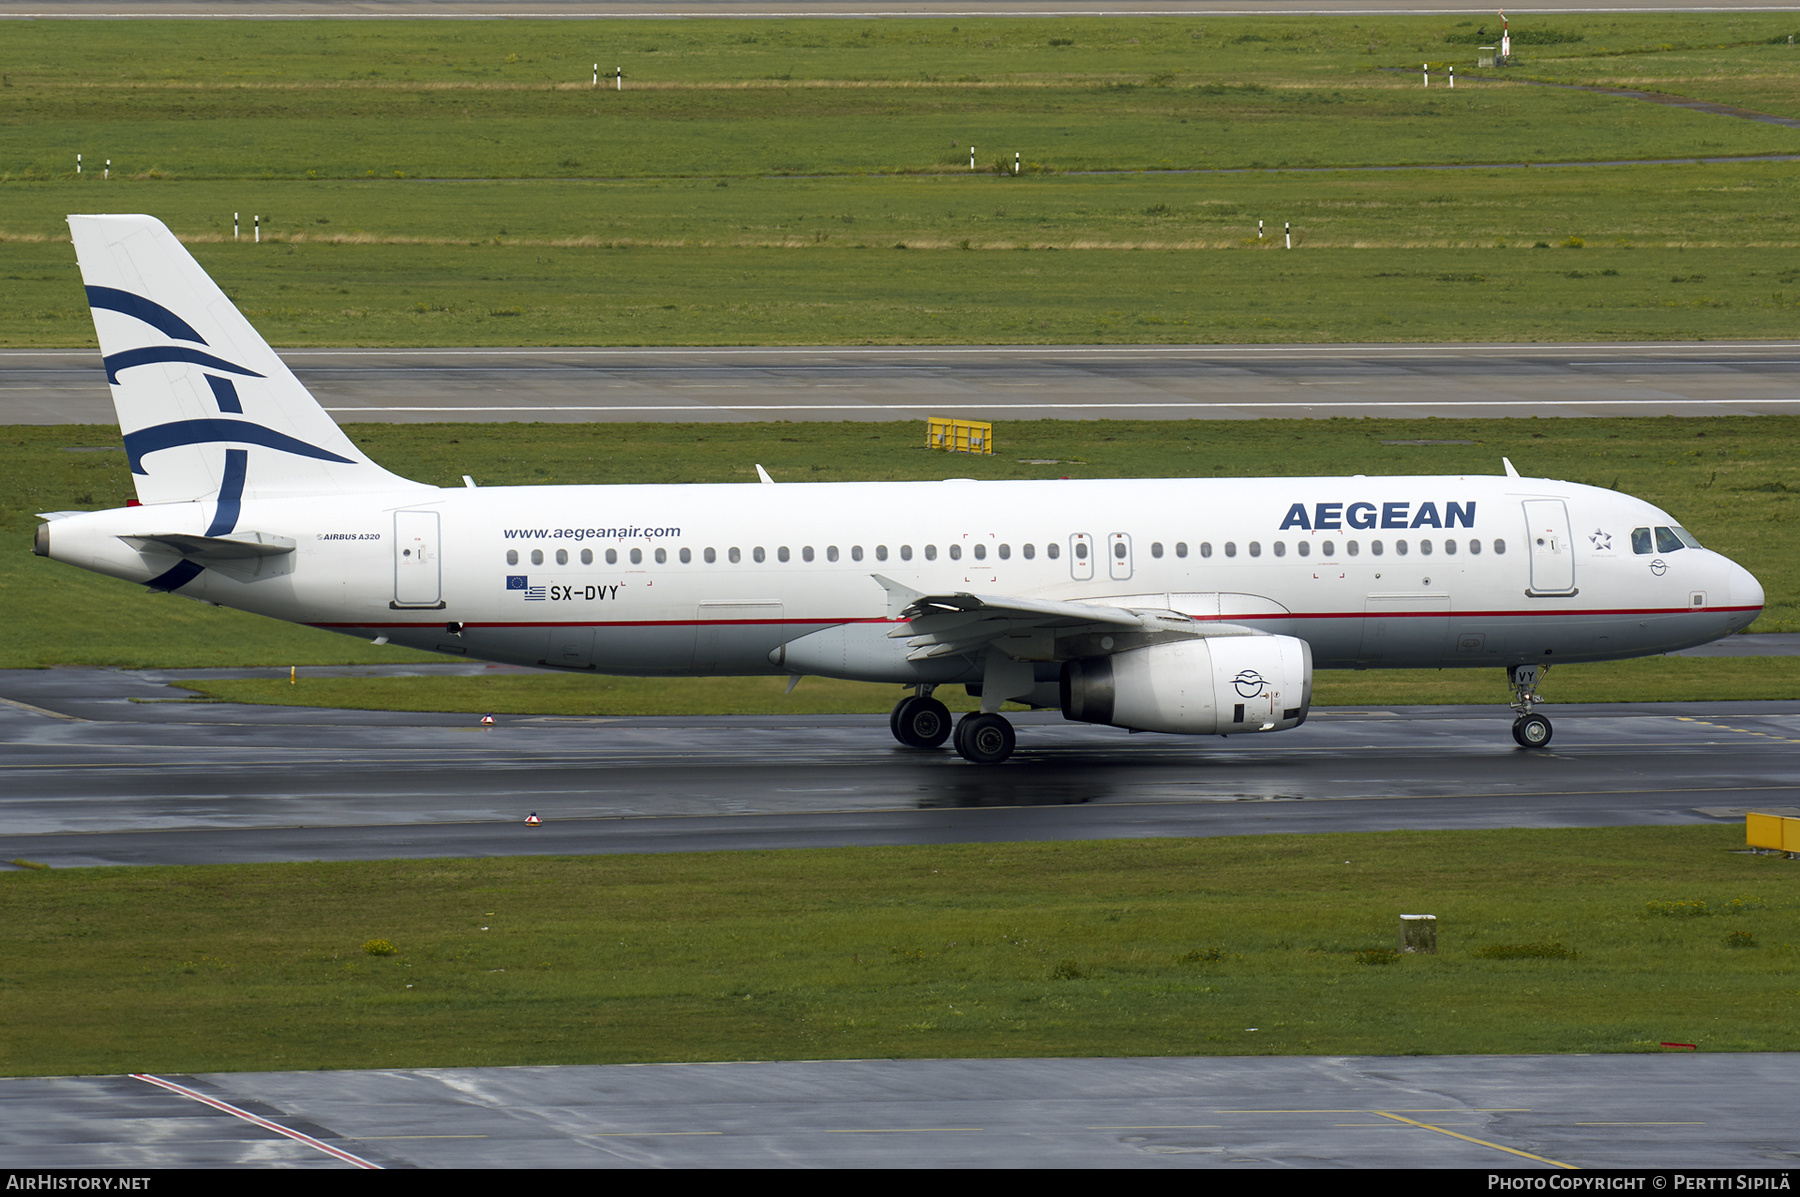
(78, 164)
(107, 174)
(1259, 232)
(596, 74)
(620, 75)
(971, 157)
(1287, 231)
(234, 226)
(1452, 76)
(256, 227)
(1015, 162)
(1426, 71)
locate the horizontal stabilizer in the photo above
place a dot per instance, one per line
(209, 550)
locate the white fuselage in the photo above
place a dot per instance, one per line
(716, 579)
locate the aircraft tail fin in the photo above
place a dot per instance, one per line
(207, 409)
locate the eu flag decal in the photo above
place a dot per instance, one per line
(515, 581)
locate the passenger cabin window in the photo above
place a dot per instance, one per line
(1499, 546)
(612, 556)
(1304, 548)
(906, 552)
(687, 556)
(931, 552)
(587, 556)
(1206, 548)
(1053, 550)
(1374, 548)
(1400, 547)
(956, 552)
(1256, 548)
(1474, 548)
(1181, 548)
(562, 556)
(1119, 550)
(1155, 548)
(1231, 548)
(711, 556)
(735, 555)
(1005, 552)
(1281, 548)
(781, 554)
(1351, 547)
(806, 553)
(881, 552)
(537, 556)
(831, 553)
(637, 556)
(512, 556)
(1081, 550)
(758, 555)
(1030, 552)
(856, 552)
(980, 552)
(662, 556)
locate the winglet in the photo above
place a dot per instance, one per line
(1510, 472)
(764, 475)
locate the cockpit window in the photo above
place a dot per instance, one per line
(1640, 542)
(1667, 541)
(1687, 538)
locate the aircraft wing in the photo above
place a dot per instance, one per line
(944, 625)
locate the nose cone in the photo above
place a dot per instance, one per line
(1746, 592)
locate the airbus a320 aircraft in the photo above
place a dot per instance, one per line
(1193, 606)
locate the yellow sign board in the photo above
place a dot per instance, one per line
(959, 436)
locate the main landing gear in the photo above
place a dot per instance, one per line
(921, 721)
(1530, 730)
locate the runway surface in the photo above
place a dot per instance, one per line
(576, 9)
(1725, 1111)
(1006, 382)
(110, 767)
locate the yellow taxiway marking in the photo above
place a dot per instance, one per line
(1471, 1139)
(1640, 1124)
(1452, 1110)
(1200, 1127)
(644, 1134)
(1743, 731)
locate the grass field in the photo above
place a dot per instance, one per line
(1653, 679)
(463, 184)
(1549, 941)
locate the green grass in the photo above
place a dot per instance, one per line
(1730, 480)
(752, 186)
(1653, 679)
(1163, 947)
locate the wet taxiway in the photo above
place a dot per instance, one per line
(104, 766)
(1725, 1111)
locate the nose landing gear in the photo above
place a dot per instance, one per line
(1530, 730)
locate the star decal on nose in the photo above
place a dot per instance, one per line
(1602, 541)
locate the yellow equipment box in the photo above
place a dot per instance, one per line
(959, 436)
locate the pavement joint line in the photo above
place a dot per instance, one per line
(1471, 1139)
(256, 1120)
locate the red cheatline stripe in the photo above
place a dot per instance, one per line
(247, 1116)
(714, 623)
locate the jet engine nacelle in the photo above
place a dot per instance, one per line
(1217, 685)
